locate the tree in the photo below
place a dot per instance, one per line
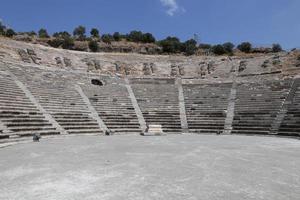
(189, 47)
(228, 46)
(32, 33)
(93, 45)
(135, 36)
(218, 49)
(148, 38)
(107, 38)
(245, 47)
(95, 33)
(2, 29)
(43, 33)
(276, 48)
(117, 36)
(204, 46)
(170, 45)
(63, 34)
(10, 32)
(79, 32)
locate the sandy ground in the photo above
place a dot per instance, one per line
(161, 168)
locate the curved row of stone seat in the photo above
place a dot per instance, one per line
(113, 104)
(291, 123)
(18, 114)
(257, 106)
(206, 106)
(158, 101)
(57, 95)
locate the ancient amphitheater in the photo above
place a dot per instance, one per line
(60, 93)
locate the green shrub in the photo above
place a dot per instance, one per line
(79, 33)
(170, 45)
(95, 33)
(117, 36)
(135, 36)
(43, 33)
(56, 42)
(63, 34)
(245, 47)
(107, 38)
(189, 47)
(148, 38)
(93, 45)
(228, 46)
(10, 32)
(276, 48)
(218, 49)
(204, 46)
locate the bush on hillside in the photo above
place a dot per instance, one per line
(95, 33)
(148, 38)
(245, 47)
(10, 32)
(43, 33)
(170, 45)
(56, 42)
(79, 33)
(204, 46)
(93, 45)
(228, 46)
(218, 49)
(68, 43)
(189, 47)
(63, 34)
(117, 36)
(276, 48)
(135, 36)
(107, 38)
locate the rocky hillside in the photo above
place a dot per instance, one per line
(134, 64)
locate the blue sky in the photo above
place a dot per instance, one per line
(261, 22)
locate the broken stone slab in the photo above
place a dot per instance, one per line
(154, 130)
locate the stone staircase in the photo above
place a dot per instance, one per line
(290, 125)
(113, 104)
(206, 106)
(257, 106)
(159, 103)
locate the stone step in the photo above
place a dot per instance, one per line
(86, 131)
(31, 124)
(205, 131)
(41, 132)
(31, 128)
(81, 127)
(251, 132)
(289, 133)
(24, 120)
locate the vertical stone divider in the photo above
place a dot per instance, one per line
(136, 106)
(45, 113)
(182, 111)
(284, 108)
(231, 101)
(93, 111)
(230, 109)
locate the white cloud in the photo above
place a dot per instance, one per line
(172, 6)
